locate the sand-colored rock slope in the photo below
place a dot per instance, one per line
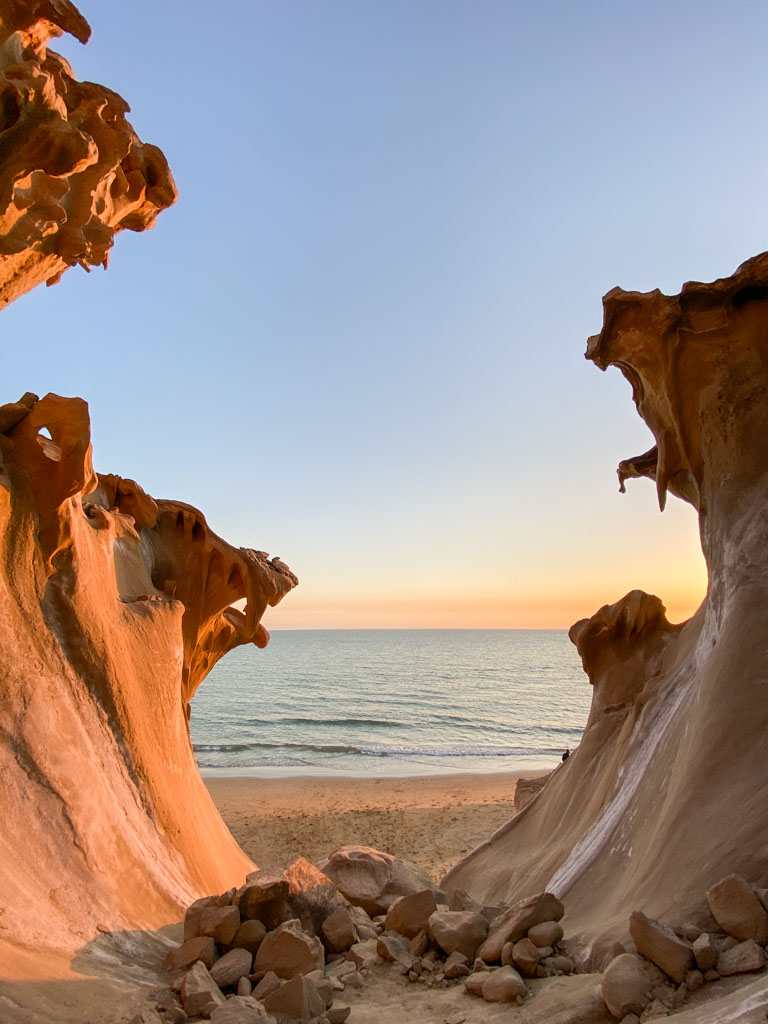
(113, 606)
(666, 793)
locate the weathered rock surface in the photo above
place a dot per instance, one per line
(338, 931)
(288, 951)
(514, 923)
(545, 934)
(527, 789)
(297, 998)
(661, 946)
(101, 788)
(189, 952)
(410, 914)
(458, 931)
(199, 991)
(503, 986)
(627, 986)
(373, 880)
(737, 909)
(72, 172)
(739, 959)
(671, 761)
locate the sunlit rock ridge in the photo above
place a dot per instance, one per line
(666, 793)
(113, 605)
(72, 170)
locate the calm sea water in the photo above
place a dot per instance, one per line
(392, 702)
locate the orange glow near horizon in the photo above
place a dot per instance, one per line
(538, 611)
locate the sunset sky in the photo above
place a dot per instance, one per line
(357, 340)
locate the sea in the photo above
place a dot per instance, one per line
(390, 702)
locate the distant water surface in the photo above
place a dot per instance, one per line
(392, 703)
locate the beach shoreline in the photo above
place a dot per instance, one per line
(432, 820)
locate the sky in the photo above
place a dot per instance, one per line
(357, 340)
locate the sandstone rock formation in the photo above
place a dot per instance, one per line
(72, 170)
(113, 607)
(664, 795)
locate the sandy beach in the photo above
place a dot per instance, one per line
(430, 820)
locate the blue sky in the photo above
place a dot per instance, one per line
(357, 340)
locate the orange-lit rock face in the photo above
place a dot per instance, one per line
(72, 170)
(113, 607)
(665, 794)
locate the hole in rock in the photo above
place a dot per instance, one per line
(10, 109)
(51, 450)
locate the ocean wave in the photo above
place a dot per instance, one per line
(380, 723)
(369, 751)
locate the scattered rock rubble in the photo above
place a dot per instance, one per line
(285, 948)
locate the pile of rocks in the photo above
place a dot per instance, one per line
(669, 963)
(284, 947)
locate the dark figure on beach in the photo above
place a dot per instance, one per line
(567, 753)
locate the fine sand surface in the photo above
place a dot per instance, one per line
(431, 820)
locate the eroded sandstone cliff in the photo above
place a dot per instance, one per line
(665, 794)
(72, 170)
(113, 607)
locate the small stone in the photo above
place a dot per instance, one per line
(517, 921)
(746, 956)
(288, 951)
(631, 1018)
(338, 1014)
(503, 986)
(250, 935)
(480, 965)
(239, 1010)
(690, 932)
(705, 952)
(202, 948)
(474, 983)
(148, 1015)
(365, 927)
(545, 934)
(738, 910)
(458, 930)
(336, 984)
(526, 956)
(562, 964)
(228, 971)
(200, 991)
(244, 987)
(419, 943)
(410, 914)
(728, 943)
(221, 923)
(681, 994)
(694, 980)
(269, 983)
(338, 931)
(297, 998)
(395, 949)
(353, 980)
(413, 976)
(711, 975)
(456, 966)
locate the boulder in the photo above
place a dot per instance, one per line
(545, 934)
(419, 943)
(221, 923)
(524, 955)
(366, 929)
(562, 964)
(627, 986)
(458, 930)
(394, 948)
(705, 952)
(746, 956)
(338, 1014)
(199, 991)
(515, 922)
(233, 966)
(288, 951)
(189, 952)
(323, 985)
(694, 980)
(456, 966)
(249, 935)
(338, 931)
(373, 880)
(738, 910)
(240, 1010)
(503, 986)
(194, 913)
(312, 896)
(661, 946)
(297, 998)
(409, 915)
(363, 954)
(263, 898)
